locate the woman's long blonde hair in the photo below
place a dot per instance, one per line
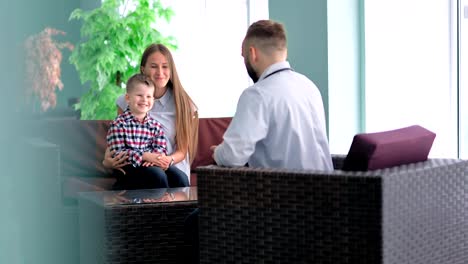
(186, 125)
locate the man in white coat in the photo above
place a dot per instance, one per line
(280, 120)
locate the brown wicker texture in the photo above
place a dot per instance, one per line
(140, 233)
(415, 213)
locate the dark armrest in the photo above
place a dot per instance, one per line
(380, 216)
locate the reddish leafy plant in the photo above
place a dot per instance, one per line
(43, 58)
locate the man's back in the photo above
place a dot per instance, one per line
(279, 123)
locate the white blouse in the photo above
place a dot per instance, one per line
(164, 111)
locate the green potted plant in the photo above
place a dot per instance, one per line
(114, 36)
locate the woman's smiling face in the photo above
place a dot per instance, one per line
(158, 69)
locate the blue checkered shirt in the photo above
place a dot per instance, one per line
(126, 133)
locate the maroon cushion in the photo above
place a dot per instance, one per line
(210, 132)
(83, 143)
(380, 150)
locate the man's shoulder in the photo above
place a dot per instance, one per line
(303, 78)
(254, 90)
(295, 81)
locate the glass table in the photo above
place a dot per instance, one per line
(135, 226)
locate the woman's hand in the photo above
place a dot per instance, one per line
(148, 164)
(156, 159)
(165, 161)
(115, 162)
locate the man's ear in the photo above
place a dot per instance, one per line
(127, 98)
(253, 53)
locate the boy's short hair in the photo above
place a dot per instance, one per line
(138, 78)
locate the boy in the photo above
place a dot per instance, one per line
(142, 138)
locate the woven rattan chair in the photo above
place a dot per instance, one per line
(415, 213)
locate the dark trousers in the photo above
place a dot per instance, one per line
(149, 178)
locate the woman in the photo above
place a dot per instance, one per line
(173, 108)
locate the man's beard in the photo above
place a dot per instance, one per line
(251, 72)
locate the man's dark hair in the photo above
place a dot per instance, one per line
(267, 35)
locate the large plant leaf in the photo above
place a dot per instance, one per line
(110, 49)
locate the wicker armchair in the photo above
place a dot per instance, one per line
(415, 213)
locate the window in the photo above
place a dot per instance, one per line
(208, 59)
(411, 69)
(463, 77)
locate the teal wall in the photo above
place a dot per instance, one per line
(9, 84)
(325, 43)
(306, 26)
(31, 229)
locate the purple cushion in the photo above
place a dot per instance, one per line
(380, 150)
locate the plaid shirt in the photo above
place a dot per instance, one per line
(126, 133)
